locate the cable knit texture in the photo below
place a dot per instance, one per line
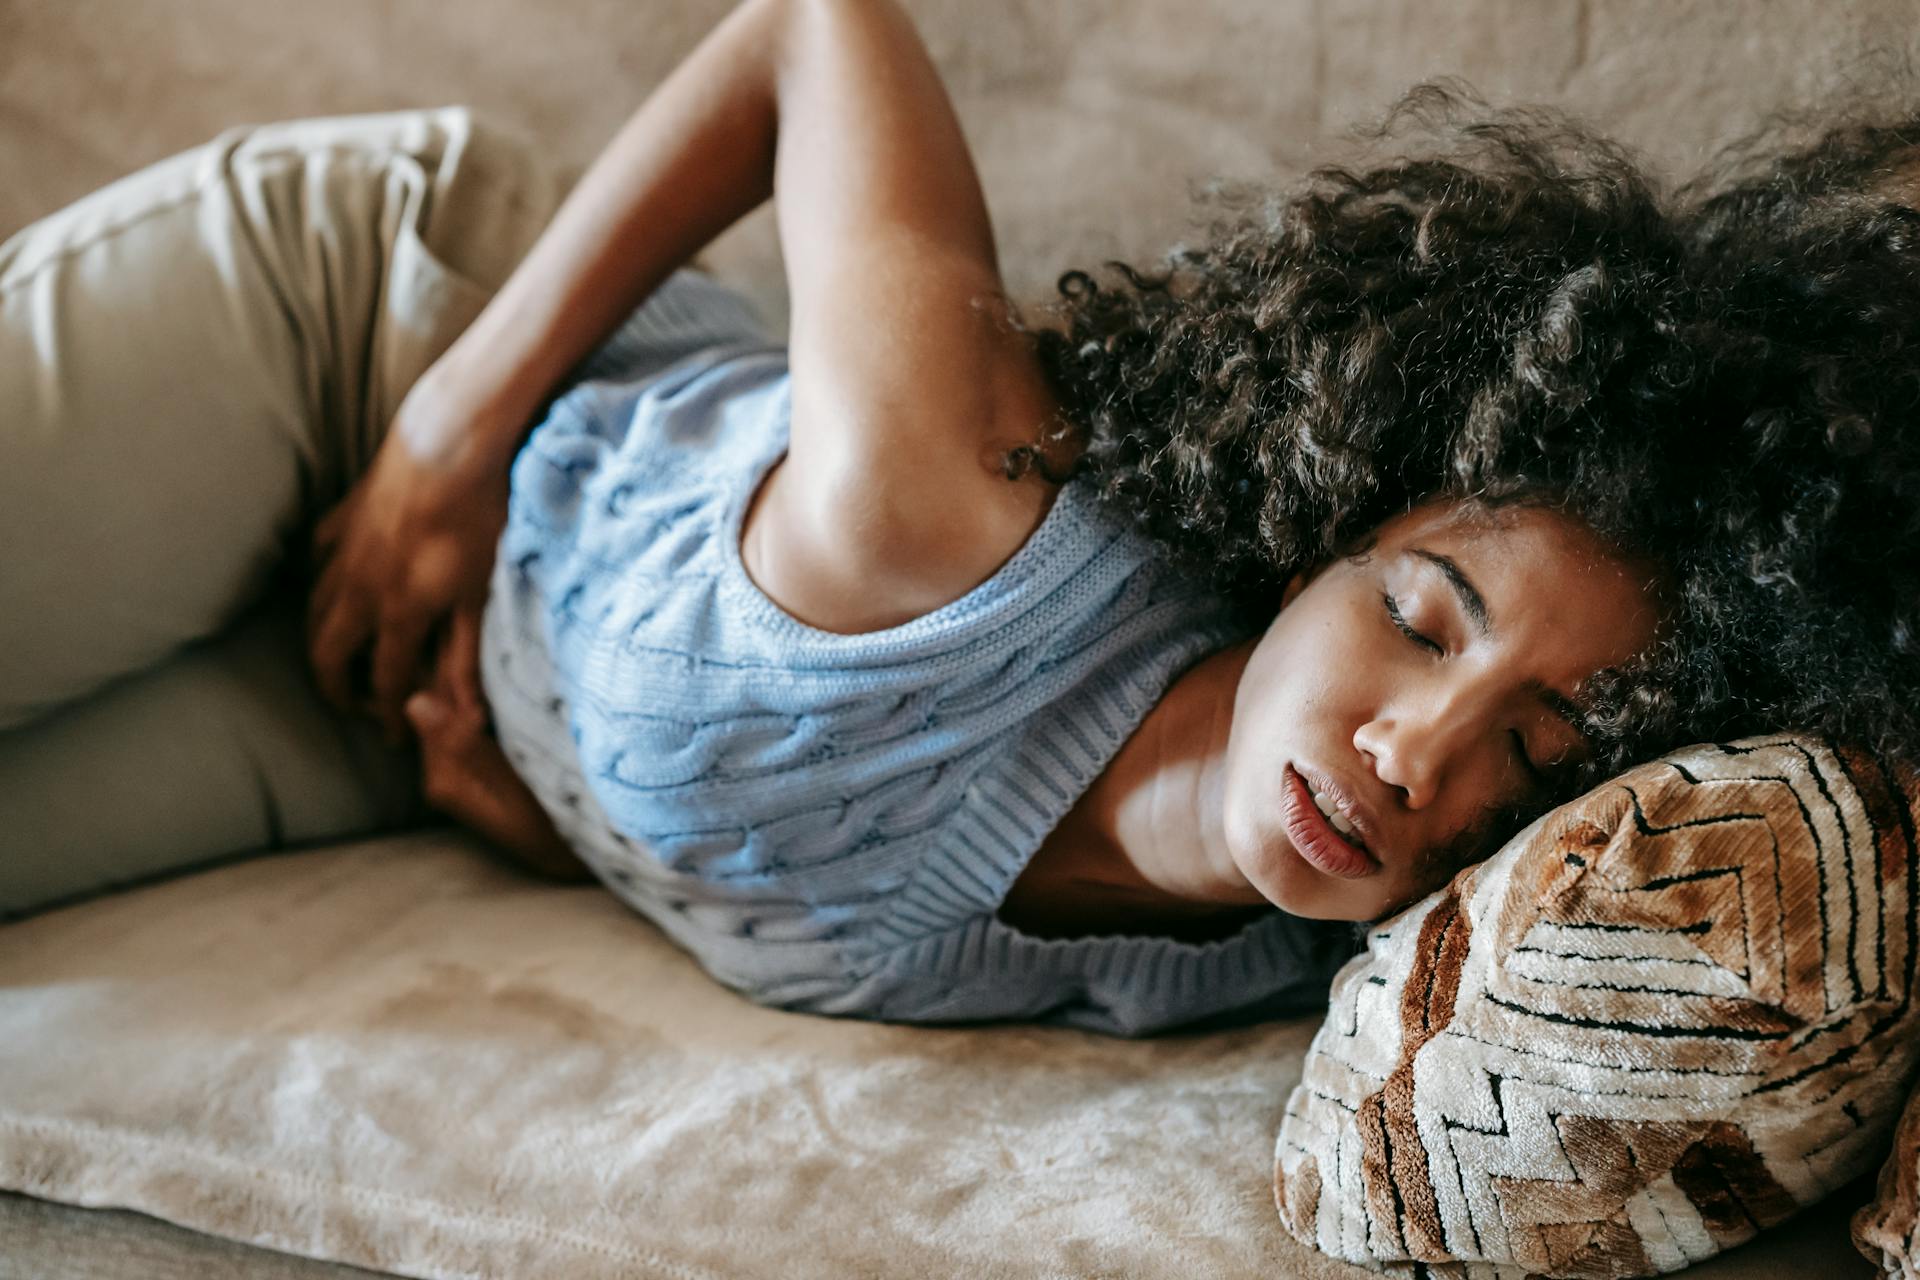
(829, 822)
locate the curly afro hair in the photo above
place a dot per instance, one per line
(1805, 585)
(1510, 310)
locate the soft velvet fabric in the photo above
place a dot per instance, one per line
(1887, 1230)
(1665, 1017)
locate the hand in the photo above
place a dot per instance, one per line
(412, 541)
(465, 775)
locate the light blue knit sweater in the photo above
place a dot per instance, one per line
(829, 822)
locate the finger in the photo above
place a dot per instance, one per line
(337, 637)
(426, 712)
(323, 542)
(396, 668)
(441, 678)
(460, 662)
(326, 530)
(321, 598)
(442, 681)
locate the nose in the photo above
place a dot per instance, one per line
(1413, 748)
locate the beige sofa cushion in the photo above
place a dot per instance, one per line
(402, 1055)
(1664, 1017)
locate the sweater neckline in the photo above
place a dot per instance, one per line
(1064, 516)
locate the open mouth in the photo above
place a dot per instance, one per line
(1337, 820)
(1322, 834)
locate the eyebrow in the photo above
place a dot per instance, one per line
(1475, 606)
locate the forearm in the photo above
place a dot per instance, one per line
(696, 157)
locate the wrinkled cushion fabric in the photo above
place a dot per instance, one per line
(1887, 1230)
(1664, 1017)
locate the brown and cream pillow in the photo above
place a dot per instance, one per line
(1888, 1229)
(1665, 1016)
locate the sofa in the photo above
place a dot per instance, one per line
(397, 1054)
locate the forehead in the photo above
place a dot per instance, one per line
(1543, 576)
(1499, 534)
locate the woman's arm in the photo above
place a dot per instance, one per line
(696, 157)
(835, 109)
(413, 541)
(902, 371)
(907, 383)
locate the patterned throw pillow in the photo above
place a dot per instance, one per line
(1665, 1016)
(1888, 1229)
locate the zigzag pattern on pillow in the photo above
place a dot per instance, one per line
(1664, 1017)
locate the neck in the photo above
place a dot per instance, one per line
(1155, 815)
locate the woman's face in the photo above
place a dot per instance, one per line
(1415, 686)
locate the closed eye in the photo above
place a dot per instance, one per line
(1393, 611)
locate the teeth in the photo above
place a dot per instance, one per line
(1335, 819)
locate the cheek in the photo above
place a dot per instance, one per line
(1306, 683)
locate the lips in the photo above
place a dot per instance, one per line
(1315, 839)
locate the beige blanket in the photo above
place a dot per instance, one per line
(402, 1055)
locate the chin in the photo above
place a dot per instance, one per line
(1283, 878)
(1298, 888)
(1328, 906)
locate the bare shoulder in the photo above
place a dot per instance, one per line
(906, 381)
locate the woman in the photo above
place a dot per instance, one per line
(811, 655)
